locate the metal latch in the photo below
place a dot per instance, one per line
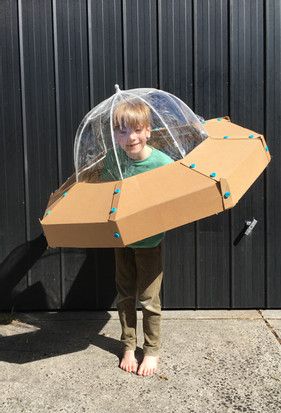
(246, 230)
(250, 226)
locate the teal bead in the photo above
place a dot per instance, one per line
(113, 210)
(219, 119)
(226, 195)
(213, 174)
(251, 136)
(192, 166)
(116, 235)
(64, 194)
(266, 148)
(117, 191)
(48, 212)
(225, 137)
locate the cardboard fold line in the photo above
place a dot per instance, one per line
(187, 165)
(226, 194)
(115, 201)
(261, 137)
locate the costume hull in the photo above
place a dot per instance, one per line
(210, 179)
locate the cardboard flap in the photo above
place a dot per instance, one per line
(85, 202)
(157, 187)
(221, 128)
(220, 158)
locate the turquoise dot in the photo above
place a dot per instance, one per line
(219, 119)
(225, 137)
(266, 148)
(193, 165)
(226, 195)
(48, 212)
(64, 194)
(113, 210)
(251, 136)
(117, 191)
(213, 174)
(116, 235)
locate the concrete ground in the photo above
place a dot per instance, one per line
(211, 361)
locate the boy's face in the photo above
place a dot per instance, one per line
(133, 140)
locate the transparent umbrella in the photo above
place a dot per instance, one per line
(101, 149)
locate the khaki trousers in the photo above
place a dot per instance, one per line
(139, 276)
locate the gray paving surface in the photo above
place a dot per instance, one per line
(211, 361)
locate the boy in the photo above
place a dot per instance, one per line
(139, 266)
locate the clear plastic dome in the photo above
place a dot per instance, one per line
(104, 150)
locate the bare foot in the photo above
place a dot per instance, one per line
(128, 362)
(148, 366)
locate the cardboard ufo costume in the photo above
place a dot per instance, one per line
(215, 162)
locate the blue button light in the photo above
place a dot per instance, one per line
(116, 235)
(117, 191)
(219, 119)
(225, 137)
(64, 194)
(213, 174)
(266, 148)
(113, 210)
(192, 166)
(251, 136)
(226, 195)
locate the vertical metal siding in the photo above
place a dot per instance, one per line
(176, 76)
(272, 130)
(247, 108)
(39, 138)
(140, 43)
(12, 200)
(62, 57)
(105, 48)
(211, 100)
(72, 102)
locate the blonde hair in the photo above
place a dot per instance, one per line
(131, 113)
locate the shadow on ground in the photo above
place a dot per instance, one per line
(53, 334)
(36, 337)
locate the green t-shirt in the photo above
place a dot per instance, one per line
(133, 167)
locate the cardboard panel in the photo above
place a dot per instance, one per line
(83, 203)
(219, 128)
(187, 196)
(156, 187)
(223, 157)
(87, 235)
(173, 213)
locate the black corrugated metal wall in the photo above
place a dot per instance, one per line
(59, 58)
